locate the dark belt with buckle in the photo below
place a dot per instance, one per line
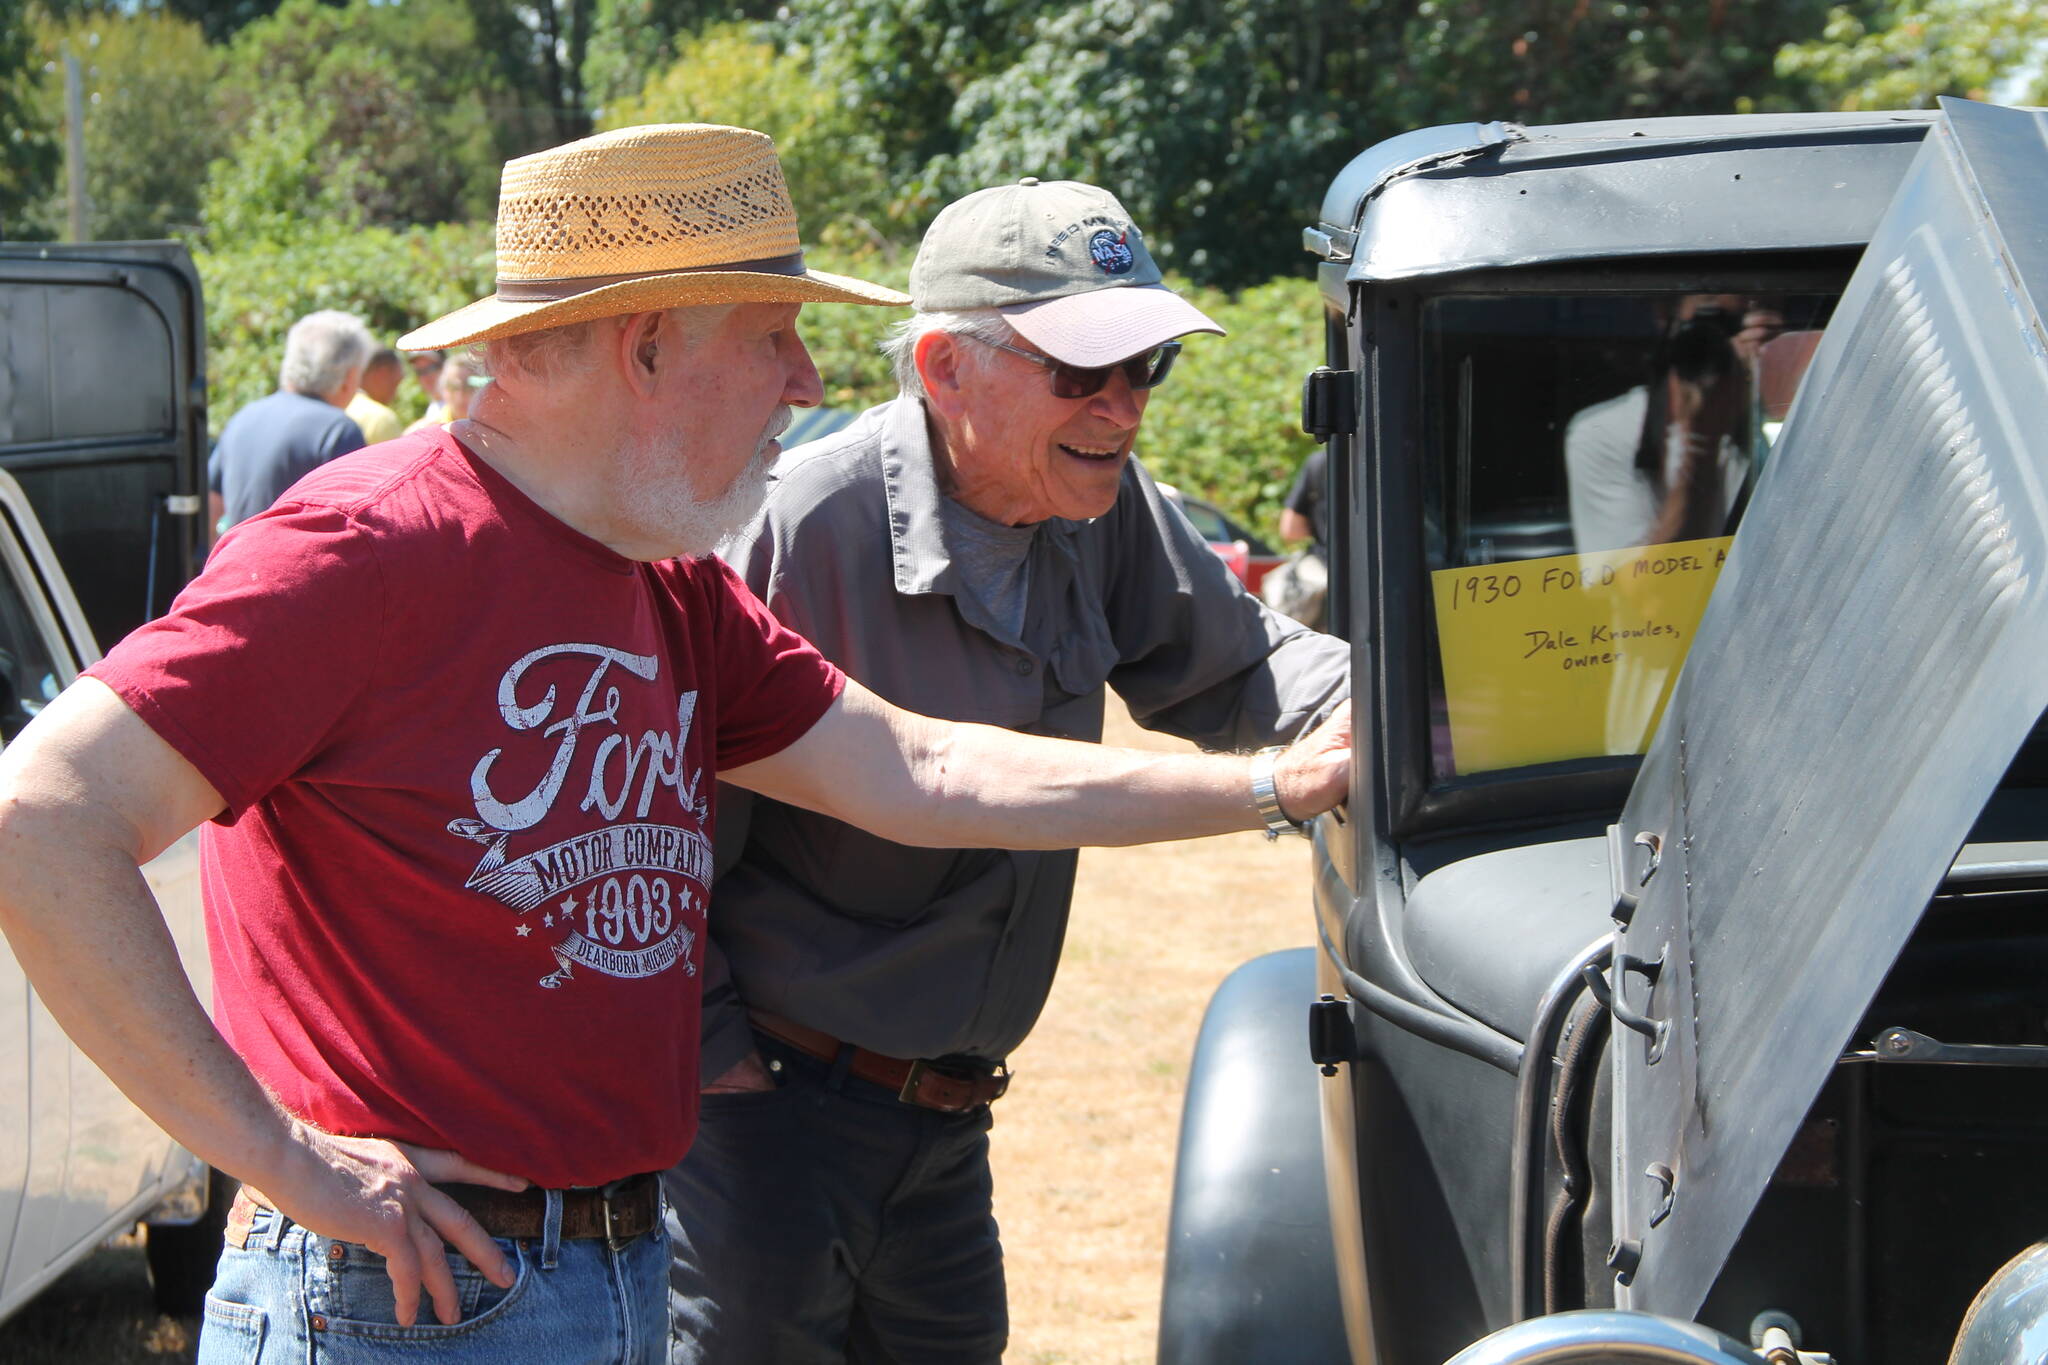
(951, 1085)
(619, 1212)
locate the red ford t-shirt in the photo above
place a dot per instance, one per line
(458, 894)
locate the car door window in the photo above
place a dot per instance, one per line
(1592, 454)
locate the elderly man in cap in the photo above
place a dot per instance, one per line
(452, 712)
(985, 548)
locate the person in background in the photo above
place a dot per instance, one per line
(459, 379)
(370, 409)
(1300, 587)
(1666, 460)
(1302, 516)
(426, 367)
(275, 441)
(983, 548)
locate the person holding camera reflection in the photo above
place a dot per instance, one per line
(1666, 460)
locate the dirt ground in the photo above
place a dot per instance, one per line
(1084, 1142)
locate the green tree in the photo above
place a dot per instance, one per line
(901, 67)
(219, 20)
(376, 113)
(1910, 54)
(1220, 122)
(725, 75)
(631, 41)
(520, 52)
(144, 171)
(28, 142)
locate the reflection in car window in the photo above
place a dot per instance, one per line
(1592, 454)
(28, 678)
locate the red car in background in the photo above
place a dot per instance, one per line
(1249, 557)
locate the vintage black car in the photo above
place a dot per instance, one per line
(1667, 1014)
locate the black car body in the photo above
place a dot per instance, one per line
(1643, 1058)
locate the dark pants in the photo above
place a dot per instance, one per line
(827, 1221)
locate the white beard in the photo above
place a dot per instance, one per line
(690, 524)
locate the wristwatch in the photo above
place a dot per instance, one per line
(1267, 799)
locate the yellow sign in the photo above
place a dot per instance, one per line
(1568, 657)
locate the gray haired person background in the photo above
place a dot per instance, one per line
(277, 440)
(983, 548)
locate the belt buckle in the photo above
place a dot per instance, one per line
(605, 1195)
(914, 1079)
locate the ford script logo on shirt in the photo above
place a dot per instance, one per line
(621, 899)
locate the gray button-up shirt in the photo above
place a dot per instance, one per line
(920, 952)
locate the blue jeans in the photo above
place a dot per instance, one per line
(289, 1295)
(825, 1221)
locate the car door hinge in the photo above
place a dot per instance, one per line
(1331, 1040)
(1329, 402)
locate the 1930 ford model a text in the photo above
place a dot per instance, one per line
(1727, 1047)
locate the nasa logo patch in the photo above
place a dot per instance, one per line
(1111, 252)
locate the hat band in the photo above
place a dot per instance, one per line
(553, 291)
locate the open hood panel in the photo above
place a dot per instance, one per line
(1868, 666)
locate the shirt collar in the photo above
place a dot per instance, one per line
(910, 478)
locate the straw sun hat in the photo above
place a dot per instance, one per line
(661, 216)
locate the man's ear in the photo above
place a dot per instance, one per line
(639, 344)
(938, 358)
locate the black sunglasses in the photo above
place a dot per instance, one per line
(1147, 371)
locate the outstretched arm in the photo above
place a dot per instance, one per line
(947, 784)
(88, 793)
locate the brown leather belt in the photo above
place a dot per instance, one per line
(951, 1085)
(619, 1212)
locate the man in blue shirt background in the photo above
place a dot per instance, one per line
(275, 441)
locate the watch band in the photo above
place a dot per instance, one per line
(1267, 799)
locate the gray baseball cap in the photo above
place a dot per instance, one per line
(1064, 264)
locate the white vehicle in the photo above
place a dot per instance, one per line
(102, 438)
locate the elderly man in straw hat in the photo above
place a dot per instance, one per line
(451, 711)
(982, 548)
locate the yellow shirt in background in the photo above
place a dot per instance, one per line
(378, 422)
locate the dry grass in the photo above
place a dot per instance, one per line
(1084, 1142)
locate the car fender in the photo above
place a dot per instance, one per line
(1250, 1271)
